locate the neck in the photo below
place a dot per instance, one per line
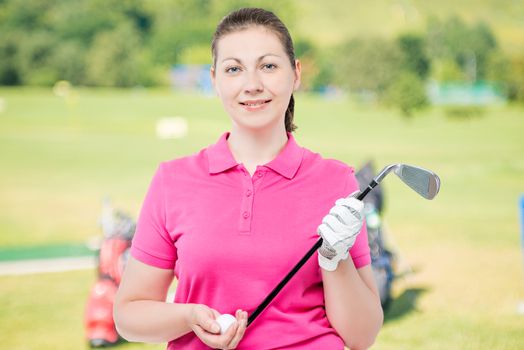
(253, 148)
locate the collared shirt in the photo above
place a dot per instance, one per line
(231, 237)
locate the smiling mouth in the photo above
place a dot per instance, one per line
(254, 103)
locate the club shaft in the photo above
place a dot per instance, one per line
(282, 283)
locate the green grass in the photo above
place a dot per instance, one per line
(46, 312)
(60, 158)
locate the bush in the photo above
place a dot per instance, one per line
(516, 81)
(9, 74)
(34, 57)
(113, 58)
(367, 64)
(464, 112)
(68, 60)
(414, 55)
(407, 92)
(466, 45)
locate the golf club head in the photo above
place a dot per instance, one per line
(424, 182)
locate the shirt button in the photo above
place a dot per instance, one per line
(248, 193)
(259, 174)
(245, 215)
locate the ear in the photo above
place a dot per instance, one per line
(298, 73)
(212, 74)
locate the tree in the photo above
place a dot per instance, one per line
(68, 61)
(9, 74)
(33, 59)
(113, 58)
(468, 46)
(407, 92)
(306, 52)
(177, 26)
(516, 82)
(367, 65)
(109, 42)
(414, 54)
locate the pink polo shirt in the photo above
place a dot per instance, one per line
(231, 237)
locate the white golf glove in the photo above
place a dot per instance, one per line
(339, 230)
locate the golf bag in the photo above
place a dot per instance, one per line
(118, 229)
(382, 259)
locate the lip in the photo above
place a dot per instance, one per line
(255, 105)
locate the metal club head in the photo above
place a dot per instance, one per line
(423, 181)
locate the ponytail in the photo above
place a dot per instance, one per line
(290, 127)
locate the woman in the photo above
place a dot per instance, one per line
(230, 221)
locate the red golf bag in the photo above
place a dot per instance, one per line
(118, 230)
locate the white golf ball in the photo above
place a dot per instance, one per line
(225, 321)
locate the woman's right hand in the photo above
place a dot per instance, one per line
(202, 322)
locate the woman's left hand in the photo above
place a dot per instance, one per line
(339, 230)
(203, 325)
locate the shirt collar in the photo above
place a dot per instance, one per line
(219, 156)
(286, 163)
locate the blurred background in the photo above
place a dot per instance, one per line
(95, 93)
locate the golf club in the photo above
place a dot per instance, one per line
(424, 182)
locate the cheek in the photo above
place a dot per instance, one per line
(281, 85)
(228, 89)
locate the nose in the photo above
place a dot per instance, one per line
(254, 84)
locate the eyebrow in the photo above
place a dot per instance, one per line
(258, 60)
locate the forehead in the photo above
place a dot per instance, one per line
(249, 43)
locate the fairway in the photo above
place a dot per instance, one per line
(60, 157)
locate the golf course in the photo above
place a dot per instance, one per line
(460, 255)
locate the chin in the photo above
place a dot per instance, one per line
(258, 124)
(255, 127)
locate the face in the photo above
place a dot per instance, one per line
(254, 78)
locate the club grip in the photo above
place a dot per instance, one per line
(364, 193)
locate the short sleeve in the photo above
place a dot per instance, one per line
(360, 251)
(152, 243)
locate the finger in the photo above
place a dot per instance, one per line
(342, 213)
(229, 335)
(326, 232)
(242, 324)
(335, 224)
(355, 194)
(209, 325)
(351, 203)
(356, 204)
(239, 314)
(215, 313)
(201, 333)
(207, 338)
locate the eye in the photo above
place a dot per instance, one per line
(269, 66)
(232, 70)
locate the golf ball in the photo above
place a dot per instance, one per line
(225, 321)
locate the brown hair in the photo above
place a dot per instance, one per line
(247, 17)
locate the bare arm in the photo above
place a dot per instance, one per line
(353, 304)
(140, 311)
